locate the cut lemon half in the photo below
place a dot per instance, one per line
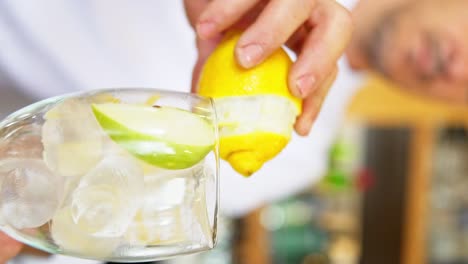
(165, 137)
(255, 108)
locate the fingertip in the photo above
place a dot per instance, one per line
(302, 128)
(302, 133)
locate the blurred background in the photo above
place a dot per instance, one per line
(395, 192)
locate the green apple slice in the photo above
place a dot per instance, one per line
(165, 137)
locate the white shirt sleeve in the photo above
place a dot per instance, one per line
(53, 47)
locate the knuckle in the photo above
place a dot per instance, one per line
(217, 13)
(267, 39)
(331, 74)
(343, 17)
(306, 5)
(321, 69)
(323, 72)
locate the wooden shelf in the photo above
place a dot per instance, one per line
(381, 103)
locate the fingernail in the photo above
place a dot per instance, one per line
(304, 85)
(206, 29)
(250, 55)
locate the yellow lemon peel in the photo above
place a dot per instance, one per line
(255, 108)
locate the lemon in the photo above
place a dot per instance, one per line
(255, 109)
(222, 76)
(165, 137)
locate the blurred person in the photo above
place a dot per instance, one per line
(53, 47)
(420, 44)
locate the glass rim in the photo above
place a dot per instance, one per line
(139, 88)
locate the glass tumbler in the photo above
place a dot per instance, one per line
(122, 175)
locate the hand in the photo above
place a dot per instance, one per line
(316, 30)
(9, 248)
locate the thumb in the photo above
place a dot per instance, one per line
(204, 48)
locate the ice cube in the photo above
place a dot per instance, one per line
(160, 226)
(75, 238)
(30, 193)
(159, 221)
(72, 138)
(174, 210)
(196, 218)
(108, 197)
(23, 142)
(200, 212)
(155, 175)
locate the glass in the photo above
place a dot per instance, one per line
(117, 175)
